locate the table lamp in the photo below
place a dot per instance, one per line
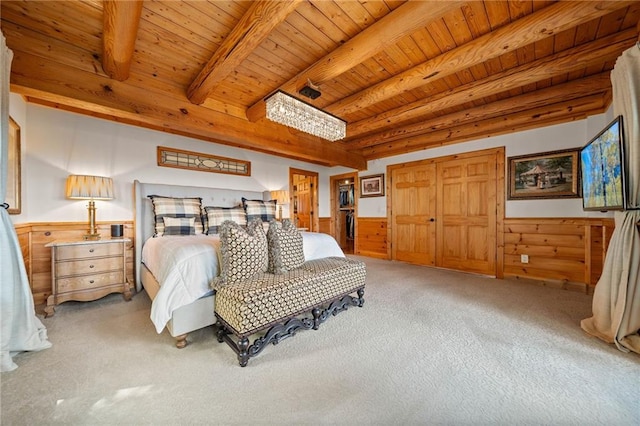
(83, 187)
(282, 199)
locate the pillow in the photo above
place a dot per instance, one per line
(244, 252)
(176, 207)
(258, 209)
(285, 247)
(179, 225)
(216, 215)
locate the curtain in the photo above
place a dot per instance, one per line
(616, 299)
(21, 329)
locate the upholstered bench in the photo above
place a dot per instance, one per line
(279, 303)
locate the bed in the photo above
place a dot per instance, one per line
(175, 271)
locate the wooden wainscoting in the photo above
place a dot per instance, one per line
(372, 237)
(325, 225)
(562, 251)
(37, 257)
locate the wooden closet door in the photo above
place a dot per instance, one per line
(304, 203)
(466, 226)
(413, 214)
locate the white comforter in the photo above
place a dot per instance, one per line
(184, 267)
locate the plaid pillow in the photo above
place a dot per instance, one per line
(286, 251)
(179, 225)
(258, 209)
(244, 252)
(216, 215)
(176, 207)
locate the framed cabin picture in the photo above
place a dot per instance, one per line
(372, 186)
(552, 174)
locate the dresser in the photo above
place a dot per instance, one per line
(87, 270)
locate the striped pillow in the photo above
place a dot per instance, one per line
(179, 225)
(258, 209)
(176, 207)
(216, 215)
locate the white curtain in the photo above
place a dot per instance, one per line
(616, 299)
(21, 329)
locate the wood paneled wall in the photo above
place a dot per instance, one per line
(325, 225)
(33, 237)
(563, 252)
(567, 252)
(560, 250)
(372, 237)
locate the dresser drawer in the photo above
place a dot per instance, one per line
(89, 250)
(88, 266)
(89, 281)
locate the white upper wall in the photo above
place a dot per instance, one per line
(57, 143)
(61, 143)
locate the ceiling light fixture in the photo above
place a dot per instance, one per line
(285, 109)
(310, 90)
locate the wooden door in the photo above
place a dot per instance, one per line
(413, 214)
(466, 212)
(304, 192)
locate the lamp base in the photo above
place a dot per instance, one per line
(91, 237)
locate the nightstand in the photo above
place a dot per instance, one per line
(87, 270)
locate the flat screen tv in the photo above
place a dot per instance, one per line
(603, 171)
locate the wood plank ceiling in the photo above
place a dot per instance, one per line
(405, 75)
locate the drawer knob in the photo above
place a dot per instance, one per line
(91, 266)
(91, 281)
(91, 250)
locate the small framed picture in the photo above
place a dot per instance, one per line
(544, 175)
(372, 186)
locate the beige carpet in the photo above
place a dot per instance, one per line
(429, 347)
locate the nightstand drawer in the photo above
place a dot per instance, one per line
(88, 266)
(89, 281)
(89, 250)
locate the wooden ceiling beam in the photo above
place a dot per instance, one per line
(120, 28)
(535, 27)
(544, 116)
(254, 26)
(386, 32)
(99, 96)
(577, 58)
(553, 94)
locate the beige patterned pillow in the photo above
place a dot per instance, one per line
(285, 247)
(244, 252)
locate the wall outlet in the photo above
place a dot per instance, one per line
(524, 258)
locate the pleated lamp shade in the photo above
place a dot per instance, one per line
(83, 187)
(282, 197)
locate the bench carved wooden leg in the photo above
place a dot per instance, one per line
(361, 297)
(221, 331)
(243, 351)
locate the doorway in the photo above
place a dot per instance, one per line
(344, 209)
(303, 187)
